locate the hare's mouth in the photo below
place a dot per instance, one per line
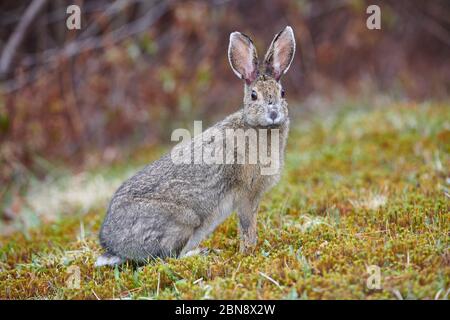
(274, 121)
(274, 125)
(270, 125)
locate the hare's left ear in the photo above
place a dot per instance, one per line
(242, 57)
(280, 53)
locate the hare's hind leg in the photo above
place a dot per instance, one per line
(165, 228)
(139, 230)
(107, 259)
(224, 209)
(191, 246)
(196, 252)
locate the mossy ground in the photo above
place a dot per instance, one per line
(361, 187)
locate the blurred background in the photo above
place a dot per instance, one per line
(138, 69)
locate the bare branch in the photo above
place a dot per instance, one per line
(18, 35)
(51, 57)
(76, 47)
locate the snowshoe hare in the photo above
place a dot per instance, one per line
(168, 207)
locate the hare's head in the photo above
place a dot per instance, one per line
(264, 103)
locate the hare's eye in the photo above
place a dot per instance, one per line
(283, 93)
(254, 95)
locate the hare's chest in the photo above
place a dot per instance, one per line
(257, 180)
(267, 181)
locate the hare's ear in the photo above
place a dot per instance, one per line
(242, 57)
(280, 54)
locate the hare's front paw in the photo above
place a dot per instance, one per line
(247, 247)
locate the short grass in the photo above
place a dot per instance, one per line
(362, 187)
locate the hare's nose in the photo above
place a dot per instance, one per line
(273, 115)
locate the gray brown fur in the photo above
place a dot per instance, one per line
(167, 209)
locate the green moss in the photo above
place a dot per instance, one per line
(360, 187)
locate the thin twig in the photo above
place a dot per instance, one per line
(18, 35)
(270, 279)
(52, 56)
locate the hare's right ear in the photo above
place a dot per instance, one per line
(280, 54)
(242, 57)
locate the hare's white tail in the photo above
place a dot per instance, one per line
(108, 259)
